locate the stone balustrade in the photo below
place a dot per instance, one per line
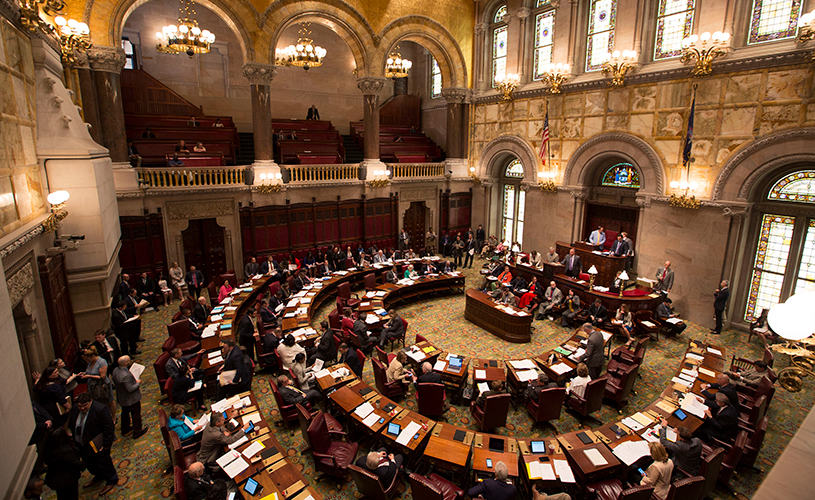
(169, 177)
(312, 173)
(412, 170)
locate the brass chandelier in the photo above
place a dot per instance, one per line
(395, 66)
(187, 36)
(305, 54)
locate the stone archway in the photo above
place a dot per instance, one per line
(497, 151)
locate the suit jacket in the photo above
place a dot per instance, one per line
(686, 456)
(575, 303)
(197, 488)
(600, 312)
(729, 390)
(127, 388)
(292, 395)
(118, 318)
(147, 285)
(721, 299)
(200, 313)
(551, 258)
(577, 265)
(482, 398)
(429, 378)
(666, 282)
(386, 470)
(112, 357)
(390, 277)
(380, 258)
(480, 234)
(725, 423)
(554, 296)
(663, 311)
(494, 490)
(98, 421)
(172, 369)
(251, 269)
(264, 266)
(199, 277)
(352, 360)
(124, 289)
(327, 350)
(533, 390)
(395, 327)
(594, 350)
(213, 441)
(246, 330)
(361, 331)
(619, 248)
(519, 283)
(234, 359)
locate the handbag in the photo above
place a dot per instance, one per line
(100, 392)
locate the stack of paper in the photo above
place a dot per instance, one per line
(371, 319)
(631, 451)
(371, 419)
(595, 457)
(481, 374)
(632, 424)
(694, 357)
(705, 371)
(523, 364)
(253, 449)
(527, 375)
(711, 350)
(364, 410)
(540, 470)
(407, 433)
(417, 356)
(560, 368)
(564, 472)
(321, 373)
(692, 404)
(440, 365)
(239, 442)
(232, 463)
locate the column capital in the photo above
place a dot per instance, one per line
(370, 85)
(455, 94)
(523, 13)
(106, 58)
(259, 73)
(480, 28)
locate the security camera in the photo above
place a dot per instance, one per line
(74, 237)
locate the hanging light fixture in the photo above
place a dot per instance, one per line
(395, 66)
(305, 54)
(185, 37)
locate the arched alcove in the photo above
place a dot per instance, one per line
(496, 153)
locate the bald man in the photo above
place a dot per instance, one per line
(665, 278)
(128, 395)
(198, 482)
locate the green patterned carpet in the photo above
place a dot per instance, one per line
(141, 463)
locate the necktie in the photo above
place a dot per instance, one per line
(194, 280)
(80, 426)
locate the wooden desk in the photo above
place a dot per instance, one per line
(481, 310)
(491, 373)
(516, 386)
(445, 451)
(481, 453)
(346, 398)
(453, 379)
(585, 471)
(328, 382)
(404, 418)
(425, 351)
(607, 265)
(525, 447)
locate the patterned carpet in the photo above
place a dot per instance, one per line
(141, 462)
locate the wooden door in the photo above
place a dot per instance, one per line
(414, 224)
(612, 217)
(58, 305)
(204, 248)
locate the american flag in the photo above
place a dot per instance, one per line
(689, 135)
(544, 137)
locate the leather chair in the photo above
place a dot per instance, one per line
(420, 338)
(330, 456)
(287, 412)
(334, 320)
(612, 489)
(749, 396)
(434, 487)
(401, 338)
(631, 355)
(548, 405)
(274, 288)
(494, 412)
(708, 469)
(749, 418)
(651, 328)
(305, 417)
(180, 331)
(158, 367)
(369, 486)
(186, 304)
(344, 294)
(165, 435)
(741, 364)
(168, 345)
(362, 360)
(620, 385)
(754, 442)
(430, 398)
(389, 390)
(230, 277)
(177, 316)
(184, 455)
(684, 489)
(370, 282)
(592, 399)
(384, 357)
(616, 368)
(731, 460)
(213, 294)
(179, 485)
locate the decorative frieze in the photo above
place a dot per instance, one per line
(20, 283)
(258, 73)
(106, 58)
(200, 209)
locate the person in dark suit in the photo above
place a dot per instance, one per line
(124, 287)
(495, 489)
(724, 385)
(533, 390)
(447, 267)
(215, 437)
(326, 348)
(686, 452)
(383, 464)
(200, 312)
(496, 387)
(251, 268)
(182, 383)
(313, 114)
(620, 247)
(198, 482)
(195, 280)
(178, 364)
(247, 332)
(480, 238)
(469, 251)
(444, 245)
(349, 357)
(91, 422)
(518, 283)
(366, 342)
(126, 331)
(598, 312)
(722, 421)
(394, 329)
(196, 328)
(64, 463)
(428, 376)
(719, 302)
(391, 276)
(593, 357)
(269, 266)
(573, 265)
(270, 342)
(665, 311)
(665, 278)
(404, 240)
(149, 291)
(292, 395)
(267, 314)
(107, 346)
(325, 268)
(128, 395)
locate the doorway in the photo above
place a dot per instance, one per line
(204, 248)
(415, 224)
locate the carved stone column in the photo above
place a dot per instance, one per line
(522, 14)
(371, 87)
(260, 77)
(106, 64)
(480, 71)
(579, 196)
(456, 98)
(573, 33)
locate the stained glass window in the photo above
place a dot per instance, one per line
(435, 79)
(500, 14)
(515, 169)
(622, 175)
(544, 36)
(798, 186)
(541, 3)
(499, 54)
(602, 16)
(514, 202)
(806, 270)
(509, 212)
(674, 22)
(773, 20)
(771, 262)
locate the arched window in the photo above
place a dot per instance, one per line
(435, 78)
(785, 254)
(674, 22)
(513, 203)
(544, 38)
(499, 45)
(621, 175)
(773, 20)
(600, 41)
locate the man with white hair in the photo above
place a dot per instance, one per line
(385, 465)
(719, 303)
(128, 395)
(197, 483)
(495, 489)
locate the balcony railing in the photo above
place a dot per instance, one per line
(316, 173)
(168, 177)
(411, 170)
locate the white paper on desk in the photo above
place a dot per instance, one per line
(253, 417)
(523, 364)
(694, 356)
(290, 315)
(231, 308)
(239, 442)
(416, 355)
(407, 433)
(690, 373)
(219, 406)
(692, 405)
(227, 458)
(247, 401)
(371, 319)
(213, 354)
(595, 457)
(364, 410)
(632, 424)
(253, 449)
(216, 317)
(547, 472)
(687, 379)
(370, 294)
(677, 380)
(648, 324)
(560, 368)
(371, 419)
(482, 387)
(527, 375)
(381, 293)
(364, 304)
(227, 300)
(564, 472)
(340, 373)
(705, 371)
(440, 365)
(305, 300)
(136, 369)
(236, 467)
(714, 351)
(481, 374)
(321, 373)
(216, 359)
(579, 352)
(631, 451)
(673, 321)
(292, 303)
(208, 333)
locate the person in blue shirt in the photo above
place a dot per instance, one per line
(176, 423)
(598, 237)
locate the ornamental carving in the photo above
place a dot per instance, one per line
(370, 85)
(456, 95)
(203, 209)
(480, 28)
(106, 58)
(523, 13)
(20, 283)
(22, 240)
(409, 195)
(578, 194)
(259, 74)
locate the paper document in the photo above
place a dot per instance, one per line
(714, 351)
(705, 371)
(534, 469)
(371, 319)
(203, 422)
(631, 451)
(236, 467)
(481, 374)
(560, 368)
(407, 433)
(364, 410)
(482, 387)
(321, 373)
(632, 424)
(253, 417)
(371, 419)
(318, 365)
(196, 386)
(136, 369)
(692, 405)
(694, 356)
(227, 458)
(253, 449)
(216, 317)
(527, 375)
(523, 364)
(226, 377)
(673, 321)
(417, 356)
(231, 308)
(239, 442)
(595, 457)
(440, 365)
(216, 359)
(134, 318)
(564, 472)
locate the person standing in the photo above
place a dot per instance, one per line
(719, 302)
(469, 251)
(430, 242)
(665, 279)
(177, 280)
(65, 466)
(480, 238)
(247, 332)
(593, 357)
(573, 265)
(195, 280)
(128, 395)
(458, 249)
(313, 114)
(404, 240)
(94, 432)
(598, 238)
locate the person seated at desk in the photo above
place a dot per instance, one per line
(504, 278)
(597, 238)
(724, 385)
(518, 283)
(533, 390)
(620, 247)
(288, 350)
(504, 296)
(551, 297)
(536, 259)
(199, 148)
(488, 247)
(270, 341)
(496, 387)
(396, 370)
(577, 385)
(446, 267)
(721, 422)
(428, 376)
(292, 395)
(175, 162)
(218, 123)
(379, 257)
(573, 265)
(214, 438)
(192, 122)
(348, 355)
(495, 489)
(177, 423)
(664, 312)
(411, 273)
(410, 254)
(750, 377)
(659, 472)
(181, 147)
(383, 464)
(148, 134)
(267, 314)
(572, 307)
(551, 257)
(366, 339)
(597, 313)
(427, 268)
(617, 284)
(195, 328)
(624, 323)
(686, 452)
(303, 375)
(325, 348)
(183, 383)
(533, 293)
(198, 483)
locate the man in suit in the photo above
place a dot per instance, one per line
(313, 114)
(597, 312)
(124, 287)
(619, 248)
(573, 265)
(233, 360)
(128, 395)
(551, 257)
(750, 377)
(383, 464)
(572, 307)
(598, 238)
(247, 332)
(196, 328)
(293, 395)
(444, 244)
(178, 364)
(469, 251)
(91, 422)
(664, 312)
(719, 302)
(665, 279)
(107, 346)
(518, 284)
(198, 482)
(214, 438)
(404, 240)
(126, 331)
(428, 376)
(195, 280)
(394, 329)
(495, 489)
(496, 387)
(326, 348)
(722, 421)
(200, 312)
(149, 291)
(724, 385)
(271, 341)
(325, 268)
(366, 342)
(533, 390)
(630, 253)
(458, 249)
(391, 276)
(593, 357)
(349, 357)
(447, 267)
(267, 314)
(251, 268)
(379, 257)
(269, 266)
(480, 237)
(686, 451)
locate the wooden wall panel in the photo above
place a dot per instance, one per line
(143, 246)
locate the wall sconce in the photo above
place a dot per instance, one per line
(617, 64)
(687, 199)
(268, 188)
(623, 278)
(73, 37)
(30, 13)
(381, 178)
(473, 176)
(806, 29)
(555, 75)
(57, 200)
(592, 274)
(507, 84)
(546, 181)
(704, 49)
